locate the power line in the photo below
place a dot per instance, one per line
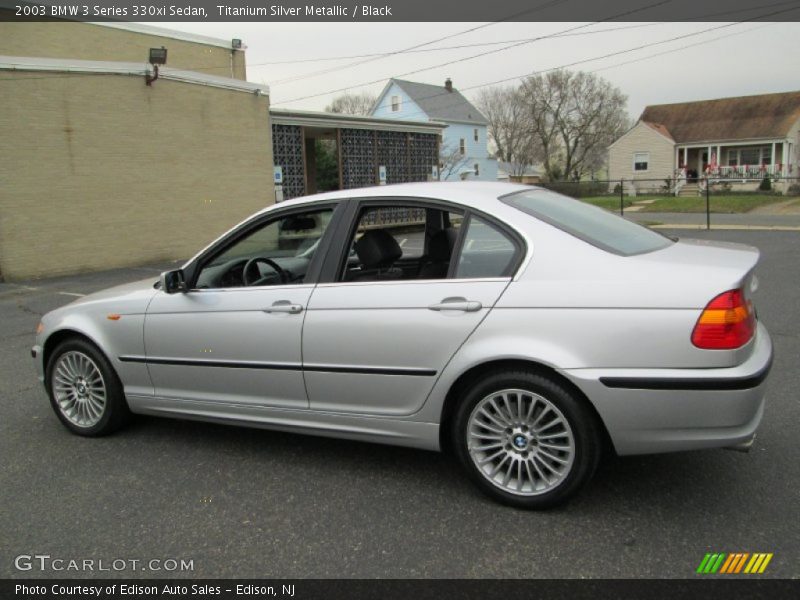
(657, 54)
(464, 59)
(547, 4)
(543, 71)
(680, 37)
(442, 48)
(498, 42)
(596, 58)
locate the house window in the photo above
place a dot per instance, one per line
(475, 134)
(750, 156)
(477, 170)
(462, 146)
(641, 161)
(396, 103)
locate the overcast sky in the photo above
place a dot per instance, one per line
(749, 58)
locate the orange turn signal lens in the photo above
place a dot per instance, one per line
(113, 317)
(728, 322)
(39, 328)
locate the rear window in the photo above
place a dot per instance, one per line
(588, 223)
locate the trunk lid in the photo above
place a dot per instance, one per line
(699, 270)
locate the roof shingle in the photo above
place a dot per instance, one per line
(440, 104)
(741, 118)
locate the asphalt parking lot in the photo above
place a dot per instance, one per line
(253, 503)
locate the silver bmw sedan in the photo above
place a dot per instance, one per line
(523, 330)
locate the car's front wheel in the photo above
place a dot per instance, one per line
(525, 439)
(84, 390)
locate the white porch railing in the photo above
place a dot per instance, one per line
(749, 172)
(732, 174)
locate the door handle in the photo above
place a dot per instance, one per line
(284, 306)
(457, 303)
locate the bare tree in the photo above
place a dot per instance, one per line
(509, 128)
(352, 104)
(574, 117)
(451, 160)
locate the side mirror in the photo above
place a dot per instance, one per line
(173, 282)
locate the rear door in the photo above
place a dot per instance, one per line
(375, 339)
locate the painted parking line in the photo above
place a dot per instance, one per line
(72, 294)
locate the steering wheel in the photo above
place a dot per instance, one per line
(253, 262)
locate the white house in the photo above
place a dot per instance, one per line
(740, 140)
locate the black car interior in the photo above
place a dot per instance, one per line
(377, 254)
(436, 263)
(377, 250)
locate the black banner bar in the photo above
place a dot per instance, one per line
(706, 587)
(283, 11)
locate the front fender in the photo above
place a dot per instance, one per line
(114, 324)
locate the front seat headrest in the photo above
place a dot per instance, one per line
(440, 246)
(377, 248)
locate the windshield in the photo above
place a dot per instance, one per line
(588, 223)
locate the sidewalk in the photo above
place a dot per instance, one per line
(752, 220)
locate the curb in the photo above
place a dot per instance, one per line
(731, 227)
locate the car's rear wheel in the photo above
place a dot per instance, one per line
(525, 439)
(84, 389)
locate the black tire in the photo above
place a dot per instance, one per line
(581, 420)
(115, 414)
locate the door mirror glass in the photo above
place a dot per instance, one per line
(173, 282)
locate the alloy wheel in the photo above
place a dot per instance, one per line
(79, 389)
(520, 442)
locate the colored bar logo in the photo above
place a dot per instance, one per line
(734, 563)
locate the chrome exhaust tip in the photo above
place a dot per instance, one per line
(743, 446)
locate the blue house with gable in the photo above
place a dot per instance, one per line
(465, 136)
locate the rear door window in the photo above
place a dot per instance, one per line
(401, 242)
(485, 252)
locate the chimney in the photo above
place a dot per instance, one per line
(448, 84)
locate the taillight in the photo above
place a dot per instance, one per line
(727, 322)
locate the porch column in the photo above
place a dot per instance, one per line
(785, 158)
(772, 161)
(719, 155)
(677, 158)
(708, 156)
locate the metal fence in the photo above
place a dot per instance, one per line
(682, 200)
(383, 217)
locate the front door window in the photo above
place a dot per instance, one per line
(276, 253)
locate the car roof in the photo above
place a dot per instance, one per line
(477, 194)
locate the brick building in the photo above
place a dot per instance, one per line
(100, 170)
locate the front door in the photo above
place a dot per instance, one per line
(375, 341)
(235, 337)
